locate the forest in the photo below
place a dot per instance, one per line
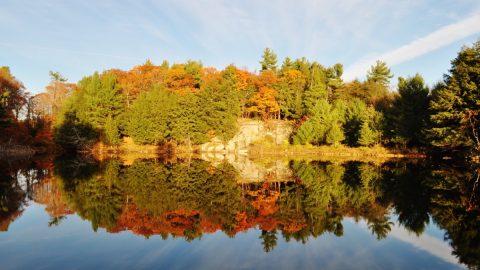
(191, 104)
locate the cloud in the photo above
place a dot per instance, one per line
(68, 51)
(433, 41)
(425, 242)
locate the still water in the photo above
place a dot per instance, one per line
(267, 214)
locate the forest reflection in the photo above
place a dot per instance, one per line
(190, 199)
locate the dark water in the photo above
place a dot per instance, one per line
(153, 214)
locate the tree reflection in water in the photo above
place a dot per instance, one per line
(175, 199)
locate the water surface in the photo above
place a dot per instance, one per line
(82, 214)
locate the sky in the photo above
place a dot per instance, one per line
(78, 38)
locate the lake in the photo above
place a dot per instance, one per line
(237, 213)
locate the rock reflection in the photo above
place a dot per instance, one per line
(295, 200)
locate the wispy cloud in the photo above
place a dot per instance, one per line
(425, 242)
(68, 51)
(433, 41)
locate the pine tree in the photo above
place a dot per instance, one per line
(111, 135)
(148, 118)
(98, 96)
(188, 119)
(290, 89)
(221, 100)
(335, 134)
(287, 64)
(72, 134)
(324, 126)
(355, 115)
(379, 73)
(410, 110)
(334, 77)
(317, 87)
(367, 135)
(455, 106)
(305, 134)
(269, 60)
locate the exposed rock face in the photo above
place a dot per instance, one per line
(250, 131)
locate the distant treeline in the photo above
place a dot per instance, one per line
(188, 103)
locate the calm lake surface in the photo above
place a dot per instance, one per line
(242, 214)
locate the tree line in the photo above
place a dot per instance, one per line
(189, 103)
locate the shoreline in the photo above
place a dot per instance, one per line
(17, 151)
(131, 151)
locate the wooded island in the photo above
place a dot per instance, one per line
(189, 104)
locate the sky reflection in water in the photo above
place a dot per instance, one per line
(328, 216)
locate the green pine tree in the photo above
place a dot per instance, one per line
(269, 60)
(149, 115)
(317, 87)
(111, 134)
(380, 73)
(455, 106)
(335, 134)
(367, 135)
(409, 114)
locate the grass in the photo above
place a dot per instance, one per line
(332, 153)
(264, 149)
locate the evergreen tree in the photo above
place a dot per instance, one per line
(410, 110)
(306, 133)
(355, 115)
(74, 135)
(455, 106)
(111, 135)
(269, 60)
(222, 104)
(149, 115)
(317, 87)
(379, 73)
(323, 127)
(367, 135)
(287, 64)
(334, 79)
(97, 97)
(188, 119)
(165, 64)
(194, 68)
(290, 88)
(334, 134)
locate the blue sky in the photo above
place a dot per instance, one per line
(78, 38)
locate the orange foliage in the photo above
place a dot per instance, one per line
(210, 75)
(267, 223)
(244, 78)
(56, 94)
(295, 224)
(265, 200)
(241, 222)
(208, 226)
(265, 102)
(175, 222)
(8, 217)
(180, 81)
(49, 194)
(266, 79)
(140, 79)
(292, 75)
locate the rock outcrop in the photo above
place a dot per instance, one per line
(249, 132)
